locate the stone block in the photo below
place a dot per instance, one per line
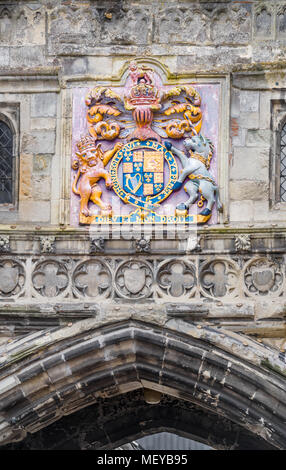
(241, 211)
(249, 101)
(98, 66)
(265, 51)
(250, 164)
(43, 123)
(238, 135)
(235, 104)
(4, 56)
(75, 65)
(44, 105)
(35, 31)
(9, 383)
(265, 110)
(41, 164)
(41, 187)
(260, 210)
(196, 58)
(39, 142)
(245, 190)
(26, 168)
(258, 138)
(59, 372)
(27, 56)
(249, 120)
(34, 211)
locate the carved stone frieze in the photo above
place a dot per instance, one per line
(193, 243)
(263, 277)
(133, 279)
(219, 278)
(143, 245)
(159, 277)
(242, 242)
(4, 243)
(92, 279)
(12, 278)
(199, 24)
(177, 278)
(48, 244)
(73, 26)
(281, 19)
(263, 19)
(191, 25)
(50, 278)
(69, 27)
(21, 25)
(231, 25)
(126, 25)
(96, 245)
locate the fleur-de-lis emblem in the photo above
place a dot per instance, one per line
(137, 166)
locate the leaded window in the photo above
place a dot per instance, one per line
(6, 164)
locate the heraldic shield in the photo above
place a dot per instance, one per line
(134, 279)
(143, 173)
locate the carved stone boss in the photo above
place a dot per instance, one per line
(141, 153)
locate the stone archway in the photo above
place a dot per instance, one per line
(217, 386)
(124, 418)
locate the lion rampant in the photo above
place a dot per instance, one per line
(90, 163)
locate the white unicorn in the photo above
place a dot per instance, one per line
(195, 164)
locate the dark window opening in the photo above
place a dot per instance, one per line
(6, 164)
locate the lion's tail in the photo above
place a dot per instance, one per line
(74, 188)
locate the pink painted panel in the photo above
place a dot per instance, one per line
(210, 96)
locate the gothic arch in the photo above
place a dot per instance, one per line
(217, 376)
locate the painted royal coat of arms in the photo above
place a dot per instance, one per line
(140, 154)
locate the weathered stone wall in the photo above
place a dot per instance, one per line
(202, 34)
(228, 277)
(48, 46)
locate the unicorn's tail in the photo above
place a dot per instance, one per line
(218, 201)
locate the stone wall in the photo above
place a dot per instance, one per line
(47, 47)
(229, 276)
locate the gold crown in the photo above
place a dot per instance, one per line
(86, 143)
(143, 93)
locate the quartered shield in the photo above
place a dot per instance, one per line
(143, 172)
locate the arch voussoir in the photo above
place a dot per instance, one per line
(78, 370)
